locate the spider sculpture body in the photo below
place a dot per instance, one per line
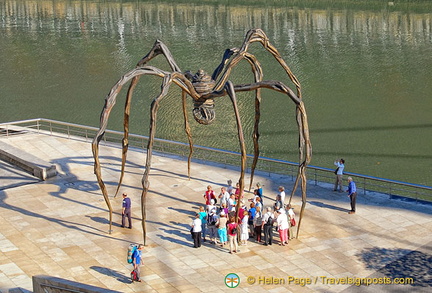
(204, 89)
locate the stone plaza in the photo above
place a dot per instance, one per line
(59, 227)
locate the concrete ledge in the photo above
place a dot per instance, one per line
(38, 167)
(43, 284)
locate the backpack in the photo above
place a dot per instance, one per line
(211, 220)
(131, 249)
(233, 229)
(270, 221)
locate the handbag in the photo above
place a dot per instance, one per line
(335, 171)
(293, 222)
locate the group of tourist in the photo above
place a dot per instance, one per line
(220, 223)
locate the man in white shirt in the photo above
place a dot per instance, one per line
(224, 196)
(339, 172)
(231, 203)
(282, 194)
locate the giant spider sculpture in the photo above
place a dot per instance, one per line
(204, 89)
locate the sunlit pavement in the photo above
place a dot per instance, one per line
(60, 228)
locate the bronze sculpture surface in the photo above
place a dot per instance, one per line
(204, 89)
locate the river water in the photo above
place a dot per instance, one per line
(365, 69)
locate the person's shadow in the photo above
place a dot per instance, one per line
(112, 273)
(327, 206)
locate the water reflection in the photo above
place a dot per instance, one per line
(111, 16)
(361, 68)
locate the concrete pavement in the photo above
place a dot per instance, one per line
(59, 228)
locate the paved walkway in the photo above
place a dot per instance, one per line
(59, 228)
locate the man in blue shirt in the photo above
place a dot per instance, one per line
(136, 256)
(352, 193)
(126, 210)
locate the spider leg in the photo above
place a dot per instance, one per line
(305, 153)
(258, 75)
(305, 147)
(223, 71)
(110, 101)
(232, 57)
(227, 55)
(229, 87)
(157, 49)
(188, 131)
(153, 114)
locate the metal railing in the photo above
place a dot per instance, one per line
(316, 175)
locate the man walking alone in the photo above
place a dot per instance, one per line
(126, 211)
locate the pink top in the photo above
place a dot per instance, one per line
(230, 227)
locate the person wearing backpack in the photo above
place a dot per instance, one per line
(137, 261)
(232, 234)
(212, 219)
(268, 220)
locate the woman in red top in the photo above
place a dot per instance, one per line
(232, 234)
(209, 195)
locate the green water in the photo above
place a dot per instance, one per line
(365, 69)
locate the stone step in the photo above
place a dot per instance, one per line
(26, 161)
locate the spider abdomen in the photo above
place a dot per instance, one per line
(203, 111)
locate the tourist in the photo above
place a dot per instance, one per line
(257, 221)
(212, 219)
(126, 211)
(282, 223)
(339, 172)
(352, 194)
(237, 191)
(211, 206)
(282, 195)
(224, 196)
(224, 208)
(230, 188)
(137, 261)
(267, 225)
(259, 192)
(278, 204)
(252, 212)
(244, 230)
(242, 209)
(291, 219)
(232, 234)
(231, 203)
(209, 195)
(258, 203)
(222, 228)
(196, 231)
(203, 218)
(240, 217)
